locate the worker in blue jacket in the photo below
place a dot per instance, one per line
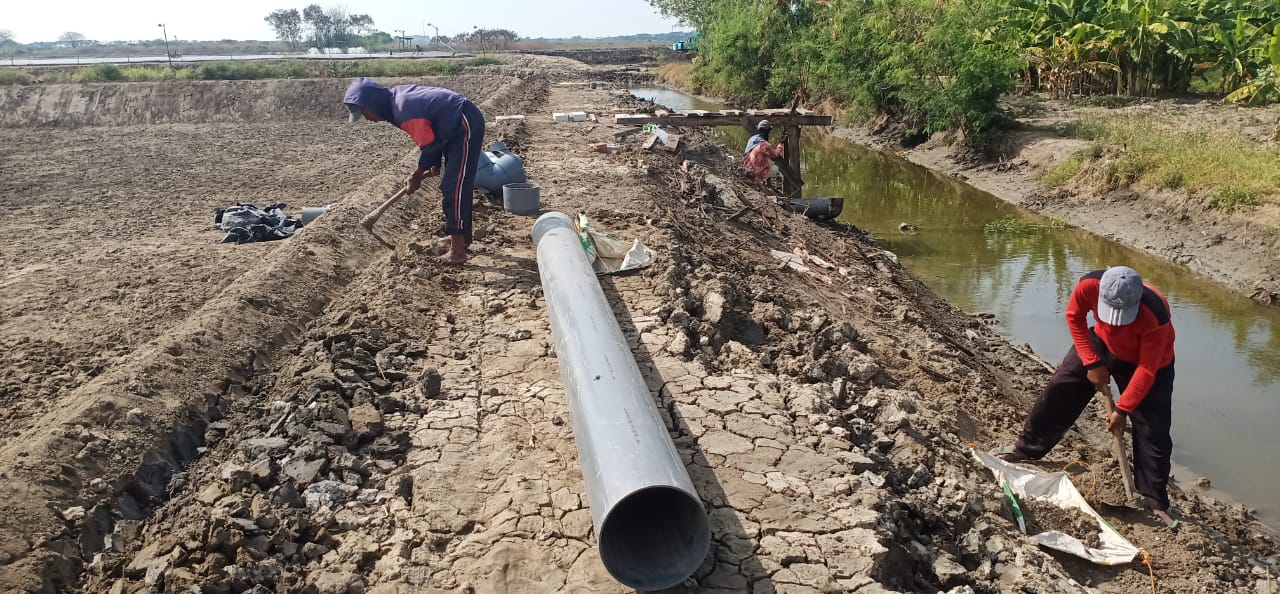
(445, 126)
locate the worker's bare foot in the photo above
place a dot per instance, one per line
(454, 258)
(457, 250)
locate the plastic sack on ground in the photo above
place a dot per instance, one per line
(608, 254)
(1057, 489)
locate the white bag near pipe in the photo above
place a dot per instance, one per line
(1056, 488)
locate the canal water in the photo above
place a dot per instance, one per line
(1227, 393)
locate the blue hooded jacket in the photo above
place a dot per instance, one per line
(432, 116)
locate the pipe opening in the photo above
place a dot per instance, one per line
(654, 538)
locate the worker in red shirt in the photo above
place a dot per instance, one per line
(1131, 341)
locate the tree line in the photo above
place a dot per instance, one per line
(334, 27)
(943, 64)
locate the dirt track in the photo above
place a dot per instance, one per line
(362, 420)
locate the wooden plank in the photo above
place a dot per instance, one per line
(769, 113)
(747, 121)
(792, 184)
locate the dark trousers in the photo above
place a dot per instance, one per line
(461, 157)
(1069, 392)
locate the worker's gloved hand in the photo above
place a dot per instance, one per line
(1101, 379)
(1116, 422)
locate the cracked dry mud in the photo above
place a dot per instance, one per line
(407, 431)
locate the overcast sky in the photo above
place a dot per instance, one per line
(107, 20)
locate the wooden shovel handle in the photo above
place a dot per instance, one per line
(372, 218)
(1117, 438)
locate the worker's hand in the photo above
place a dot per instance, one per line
(415, 179)
(1101, 379)
(1115, 422)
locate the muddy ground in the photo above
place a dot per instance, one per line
(1236, 250)
(329, 415)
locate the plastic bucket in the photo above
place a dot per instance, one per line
(522, 198)
(819, 209)
(498, 168)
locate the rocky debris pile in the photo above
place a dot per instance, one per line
(909, 381)
(902, 493)
(288, 486)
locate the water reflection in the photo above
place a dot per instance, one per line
(1227, 397)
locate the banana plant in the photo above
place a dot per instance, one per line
(1242, 50)
(1265, 88)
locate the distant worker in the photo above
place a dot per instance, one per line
(759, 155)
(445, 126)
(1132, 341)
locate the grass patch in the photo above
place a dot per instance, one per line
(1014, 225)
(674, 73)
(1236, 172)
(14, 76)
(100, 73)
(1066, 171)
(1231, 200)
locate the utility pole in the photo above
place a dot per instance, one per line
(168, 54)
(436, 40)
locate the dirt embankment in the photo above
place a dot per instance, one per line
(1231, 248)
(196, 102)
(627, 56)
(408, 431)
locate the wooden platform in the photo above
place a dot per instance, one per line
(789, 120)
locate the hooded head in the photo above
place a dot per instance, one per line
(764, 128)
(365, 94)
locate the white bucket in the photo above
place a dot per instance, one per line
(522, 198)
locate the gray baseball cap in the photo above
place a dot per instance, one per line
(1119, 296)
(764, 125)
(356, 113)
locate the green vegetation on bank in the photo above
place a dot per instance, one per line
(1013, 225)
(1231, 172)
(246, 70)
(942, 65)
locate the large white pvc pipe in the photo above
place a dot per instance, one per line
(651, 527)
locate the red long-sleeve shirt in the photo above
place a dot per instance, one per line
(1146, 343)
